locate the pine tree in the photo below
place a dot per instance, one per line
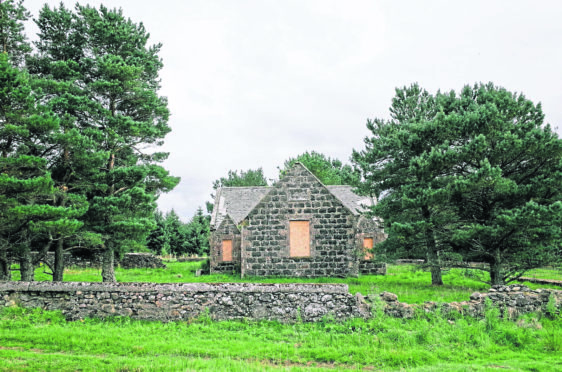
(476, 176)
(127, 116)
(506, 190)
(12, 37)
(27, 193)
(197, 234)
(406, 163)
(101, 77)
(74, 159)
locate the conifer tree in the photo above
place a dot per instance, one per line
(407, 162)
(506, 190)
(101, 77)
(12, 37)
(197, 234)
(27, 213)
(476, 176)
(74, 158)
(127, 117)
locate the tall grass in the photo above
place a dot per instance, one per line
(43, 340)
(410, 284)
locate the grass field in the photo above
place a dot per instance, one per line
(35, 340)
(552, 273)
(411, 285)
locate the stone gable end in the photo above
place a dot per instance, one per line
(227, 230)
(299, 196)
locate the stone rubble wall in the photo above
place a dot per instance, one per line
(141, 261)
(368, 267)
(182, 301)
(512, 301)
(225, 301)
(191, 259)
(129, 261)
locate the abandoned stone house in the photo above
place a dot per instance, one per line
(298, 228)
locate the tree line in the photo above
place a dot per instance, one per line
(81, 121)
(468, 176)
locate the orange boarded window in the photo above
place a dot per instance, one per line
(227, 250)
(367, 246)
(299, 238)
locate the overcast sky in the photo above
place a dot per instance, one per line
(252, 83)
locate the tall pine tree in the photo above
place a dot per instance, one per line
(407, 161)
(101, 77)
(28, 213)
(506, 189)
(128, 116)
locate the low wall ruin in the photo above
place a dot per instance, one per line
(222, 301)
(512, 301)
(129, 260)
(182, 301)
(369, 267)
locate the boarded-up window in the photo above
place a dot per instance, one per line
(227, 250)
(299, 238)
(367, 247)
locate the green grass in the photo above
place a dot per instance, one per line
(411, 285)
(552, 273)
(42, 340)
(33, 340)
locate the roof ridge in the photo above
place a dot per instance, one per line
(243, 187)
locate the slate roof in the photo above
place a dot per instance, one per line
(355, 203)
(236, 202)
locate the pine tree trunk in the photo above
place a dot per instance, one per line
(27, 269)
(5, 272)
(58, 270)
(433, 260)
(496, 269)
(108, 267)
(431, 246)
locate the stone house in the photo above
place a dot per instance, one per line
(298, 228)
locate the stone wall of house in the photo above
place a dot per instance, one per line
(182, 301)
(129, 260)
(369, 228)
(512, 301)
(226, 230)
(299, 196)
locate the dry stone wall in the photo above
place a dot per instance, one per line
(223, 301)
(512, 301)
(129, 260)
(370, 267)
(166, 302)
(141, 261)
(299, 196)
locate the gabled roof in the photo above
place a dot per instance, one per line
(236, 202)
(355, 203)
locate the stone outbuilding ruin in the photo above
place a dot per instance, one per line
(296, 228)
